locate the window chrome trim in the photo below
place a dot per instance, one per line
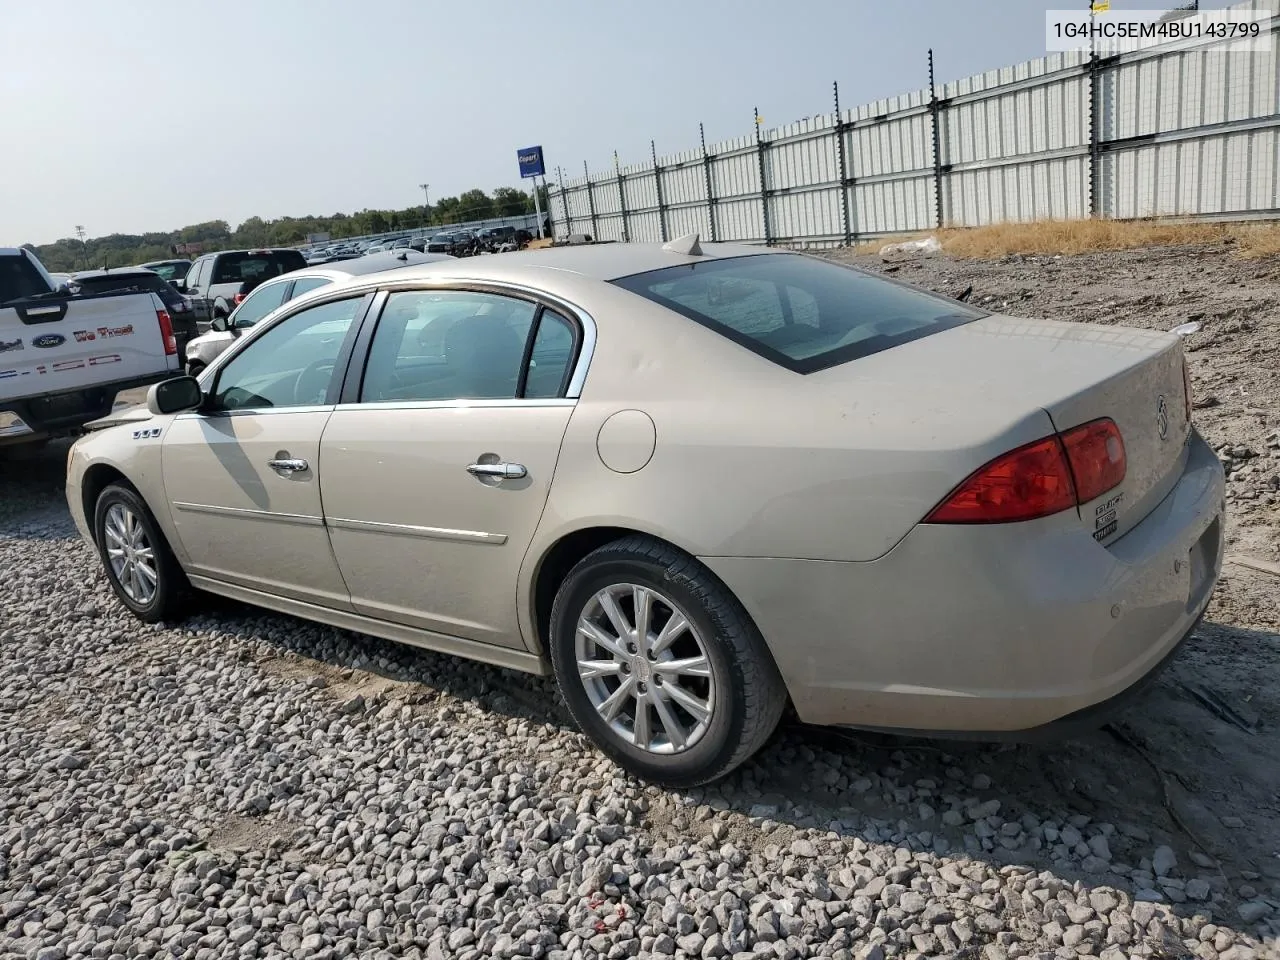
(519, 290)
(409, 530)
(245, 513)
(506, 403)
(255, 412)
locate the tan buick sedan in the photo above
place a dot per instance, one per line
(696, 483)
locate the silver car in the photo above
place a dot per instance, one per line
(269, 296)
(694, 483)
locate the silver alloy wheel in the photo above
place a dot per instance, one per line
(645, 668)
(132, 559)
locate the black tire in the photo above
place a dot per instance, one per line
(750, 695)
(195, 368)
(172, 593)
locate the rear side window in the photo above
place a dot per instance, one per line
(800, 312)
(256, 267)
(19, 279)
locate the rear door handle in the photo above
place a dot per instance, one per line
(288, 465)
(503, 471)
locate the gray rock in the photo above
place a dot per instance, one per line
(1251, 911)
(1164, 862)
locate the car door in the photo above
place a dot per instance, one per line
(242, 475)
(438, 463)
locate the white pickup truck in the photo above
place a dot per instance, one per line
(63, 357)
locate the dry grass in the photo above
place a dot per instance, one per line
(1048, 237)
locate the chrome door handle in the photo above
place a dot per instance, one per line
(503, 471)
(289, 465)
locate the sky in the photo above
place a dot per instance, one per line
(137, 115)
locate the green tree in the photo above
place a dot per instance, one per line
(510, 202)
(476, 205)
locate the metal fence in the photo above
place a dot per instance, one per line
(1177, 129)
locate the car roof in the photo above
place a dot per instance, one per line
(10, 252)
(359, 267)
(595, 261)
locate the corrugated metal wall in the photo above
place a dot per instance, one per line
(1164, 131)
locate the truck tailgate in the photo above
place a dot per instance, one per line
(61, 344)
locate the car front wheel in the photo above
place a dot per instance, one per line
(142, 570)
(661, 666)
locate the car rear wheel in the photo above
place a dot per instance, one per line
(194, 368)
(660, 664)
(142, 570)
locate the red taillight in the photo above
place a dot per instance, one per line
(1040, 479)
(166, 333)
(238, 299)
(1095, 451)
(1032, 481)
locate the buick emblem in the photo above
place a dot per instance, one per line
(1162, 417)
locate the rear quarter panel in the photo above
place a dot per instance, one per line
(750, 459)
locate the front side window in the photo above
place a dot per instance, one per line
(292, 363)
(801, 312)
(447, 345)
(258, 304)
(196, 273)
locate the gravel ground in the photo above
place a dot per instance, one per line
(246, 784)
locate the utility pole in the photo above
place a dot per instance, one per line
(84, 247)
(426, 208)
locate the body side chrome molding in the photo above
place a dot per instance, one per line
(408, 530)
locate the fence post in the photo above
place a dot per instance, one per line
(657, 182)
(844, 169)
(564, 199)
(1092, 107)
(622, 198)
(711, 197)
(935, 109)
(591, 203)
(764, 191)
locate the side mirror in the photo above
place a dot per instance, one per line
(174, 396)
(179, 285)
(220, 324)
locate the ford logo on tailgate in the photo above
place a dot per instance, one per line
(49, 340)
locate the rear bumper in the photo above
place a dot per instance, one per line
(56, 414)
(990, 630)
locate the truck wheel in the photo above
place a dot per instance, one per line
(142, 570)
(194, 368)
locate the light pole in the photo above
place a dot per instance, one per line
(426, 207)
(84, 246)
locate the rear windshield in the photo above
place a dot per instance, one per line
(238, 267)
(19, 279)
(801, 312)
(171, 271)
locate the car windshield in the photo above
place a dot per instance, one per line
(238, 267)
(801, 312)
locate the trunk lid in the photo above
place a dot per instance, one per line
(1074, 372)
